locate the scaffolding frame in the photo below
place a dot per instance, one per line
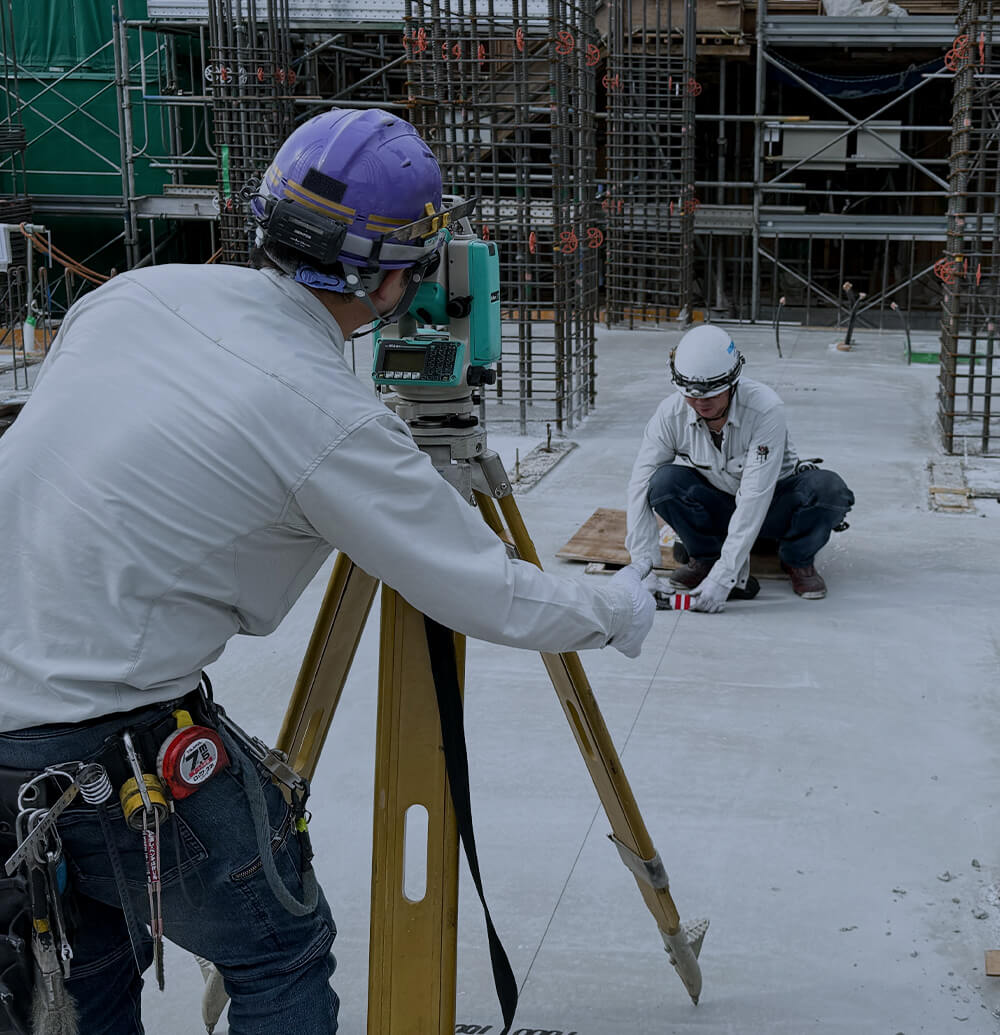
(897, 234)
(146, 80)
(118, 204)
(12, 136)
(533, 116)
(543, 212)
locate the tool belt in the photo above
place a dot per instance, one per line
(18, 962)
(149, 734)
(151, 756)
(17, 975)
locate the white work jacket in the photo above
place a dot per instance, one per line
(755, 452)
(194, 446)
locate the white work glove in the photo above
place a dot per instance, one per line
(710, 597)
(629, 642)
(661, 589)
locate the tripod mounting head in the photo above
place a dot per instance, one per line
(448, 341)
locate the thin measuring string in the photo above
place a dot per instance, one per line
(597, 812)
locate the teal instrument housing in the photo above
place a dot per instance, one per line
(452, 325)
(430, 304)
(484, 319)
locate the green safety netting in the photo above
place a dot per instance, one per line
(53, 36)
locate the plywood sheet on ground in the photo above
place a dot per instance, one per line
(602, 538)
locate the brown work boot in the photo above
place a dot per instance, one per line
(806, 581)
(691, 575)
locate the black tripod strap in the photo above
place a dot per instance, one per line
(441, 647)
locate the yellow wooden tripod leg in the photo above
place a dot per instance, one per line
(327, 661)
(629, 831)
(414, 915)
(415, 855)
(414, 912)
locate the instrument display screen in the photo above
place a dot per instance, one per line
(404, 359)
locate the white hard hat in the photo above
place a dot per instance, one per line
(705, 362)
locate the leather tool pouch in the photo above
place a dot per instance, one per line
(17, 971)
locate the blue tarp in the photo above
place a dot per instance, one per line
(851, 87)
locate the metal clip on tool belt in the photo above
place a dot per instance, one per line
(239, 742)
(16, 967)
(32, 913)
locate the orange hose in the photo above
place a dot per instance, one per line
(62, 258)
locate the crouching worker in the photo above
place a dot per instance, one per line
(717, 464)
(195, 446)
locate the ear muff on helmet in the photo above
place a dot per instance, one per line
(304, 232)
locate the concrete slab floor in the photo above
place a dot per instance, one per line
(820, 777)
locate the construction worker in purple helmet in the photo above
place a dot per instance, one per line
(717, 464)
(194, 449)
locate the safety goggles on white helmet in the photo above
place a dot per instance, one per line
(705, 362)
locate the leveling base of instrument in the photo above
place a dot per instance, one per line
(412, 956)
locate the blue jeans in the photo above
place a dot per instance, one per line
(803, 512)
(216, 902)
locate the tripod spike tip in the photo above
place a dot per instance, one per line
(683, 948)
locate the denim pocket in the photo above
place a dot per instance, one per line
(279, 838)
(84, 838)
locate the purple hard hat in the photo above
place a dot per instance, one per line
(349, 178)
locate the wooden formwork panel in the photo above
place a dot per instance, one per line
(601, 539)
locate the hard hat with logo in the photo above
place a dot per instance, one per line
(705, 362)
(339, 188)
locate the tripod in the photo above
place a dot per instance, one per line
(412, 955)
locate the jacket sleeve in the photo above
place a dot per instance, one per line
(375, 496)
(761, 468)
(642, 538)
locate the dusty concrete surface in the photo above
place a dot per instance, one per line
(820, 778)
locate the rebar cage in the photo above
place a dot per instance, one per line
(968, 392)
(505, 95)
(251, 79)
(650, 194)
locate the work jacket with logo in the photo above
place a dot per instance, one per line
(754, 454)
(194, 447)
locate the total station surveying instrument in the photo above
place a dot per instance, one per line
(432, 366)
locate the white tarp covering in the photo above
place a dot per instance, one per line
(851, 8)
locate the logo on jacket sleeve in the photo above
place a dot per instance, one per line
(762, 452)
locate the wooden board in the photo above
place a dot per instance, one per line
(993, 962)
(601, 538)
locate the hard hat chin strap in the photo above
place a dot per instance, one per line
(414, 278)
(354, 284)
(358, 282)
